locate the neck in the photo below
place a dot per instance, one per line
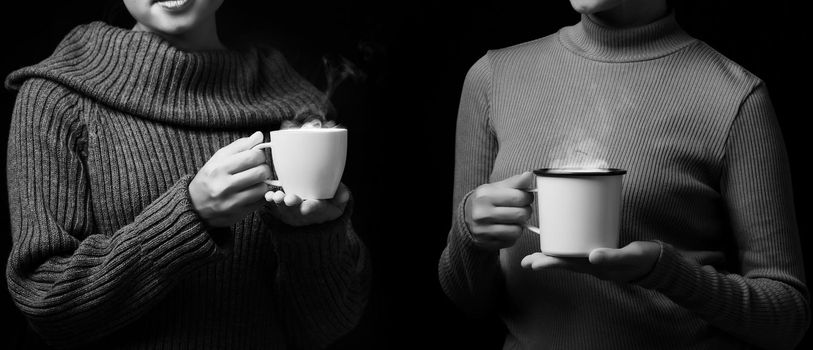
(631, 15)
(202, 37)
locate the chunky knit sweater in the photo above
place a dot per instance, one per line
(708, 178)
(108, 251)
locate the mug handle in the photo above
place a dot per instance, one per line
(265, 145)
(533, 228)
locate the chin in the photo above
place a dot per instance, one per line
(173, 27)
(589, 7)
(156, 18)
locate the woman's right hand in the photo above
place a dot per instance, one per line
(230, 184)
(496, 212)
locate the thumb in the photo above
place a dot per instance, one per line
(243, 144)
(522, 181)
(606, 256)
(635, 253)
(342, 196)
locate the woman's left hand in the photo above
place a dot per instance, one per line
(295, 211)
(625, 264)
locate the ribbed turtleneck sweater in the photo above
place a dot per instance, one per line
(108, 251)
(708, 178)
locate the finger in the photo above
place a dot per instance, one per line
(253, 194)
(244, 160)
(509, 197)
(538, 261)
(505, 233)
(277, 197)
(523, 181)
(246, 208)
(492, 242)
(341, 197)
(506, 215)
(292, 200)
(248, 197)
(250, 177)
(321, 210)
(528, 260)
(543, 261)
(628, 255)
(635, 253)
(242, 144)
(502, 230)
(606, 256)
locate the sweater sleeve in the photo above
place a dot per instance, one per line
(322, 281)
(468, 275)
(73, 282)
(766, 303)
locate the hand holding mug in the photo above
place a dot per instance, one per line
(230, 184)
(496, 213)
(625, 264)
(294, 211)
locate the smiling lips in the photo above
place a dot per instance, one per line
(174, 5)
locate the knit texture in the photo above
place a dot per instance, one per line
(708, 178)
(108, 251)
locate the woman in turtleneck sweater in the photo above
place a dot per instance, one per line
(710, 255)
(137, 204)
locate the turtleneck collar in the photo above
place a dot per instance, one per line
(140, 73)
(607, 44)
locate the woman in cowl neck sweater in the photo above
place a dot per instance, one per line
(140, 216)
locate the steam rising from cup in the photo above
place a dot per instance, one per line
(583, 155)
(337, 70)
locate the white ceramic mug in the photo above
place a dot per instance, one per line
(309, 162)
(578, 209)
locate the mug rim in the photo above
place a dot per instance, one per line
(335, 129)
(571, 172)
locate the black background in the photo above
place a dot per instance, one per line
(401, 120)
